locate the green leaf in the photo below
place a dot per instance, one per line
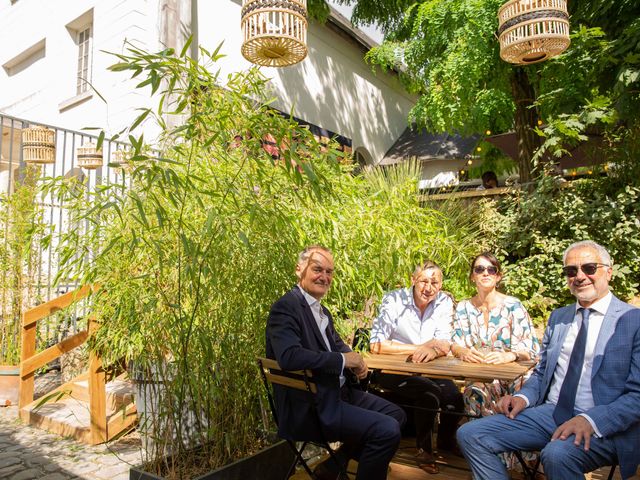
(187, 44)
(140, 118)
(100, 140)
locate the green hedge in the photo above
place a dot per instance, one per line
(531, 231)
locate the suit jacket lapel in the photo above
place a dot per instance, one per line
(309, 319)
(606, 331)
(555, 346)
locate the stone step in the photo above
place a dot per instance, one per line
(68, 416)
(66, 410)
(119, 392)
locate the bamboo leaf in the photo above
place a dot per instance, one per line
(140, 118)
(187, 44)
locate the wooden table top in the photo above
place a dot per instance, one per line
(448, 367)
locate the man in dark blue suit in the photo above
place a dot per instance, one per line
(580, 406)
(300, 335)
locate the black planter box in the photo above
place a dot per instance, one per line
(271, 463)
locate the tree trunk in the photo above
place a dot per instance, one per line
(526, 117)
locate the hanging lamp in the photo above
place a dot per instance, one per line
(532, 31)
(89, 157)
(274, 32)
(39, 145)
(120, 159)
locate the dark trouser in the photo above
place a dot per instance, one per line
(370, 431)
(426, 393)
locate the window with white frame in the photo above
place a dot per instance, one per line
(84, 42)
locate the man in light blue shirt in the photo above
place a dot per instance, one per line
(417, 322)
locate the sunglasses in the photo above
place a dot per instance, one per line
(479, 269)
(587, 268)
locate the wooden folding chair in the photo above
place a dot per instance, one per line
(302, 380)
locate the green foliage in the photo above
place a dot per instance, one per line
(447, 51)
(569, 130)
(620, 21)
(193, 249)
(570, 79)
(623, 151)
(318, 10)
(189, 251)
(491, 158)
(532, 231)
(21, 226)
(379, 233)
(593, 86)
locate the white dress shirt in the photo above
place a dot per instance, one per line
(399, 319)
(323, 322)
(584, 396)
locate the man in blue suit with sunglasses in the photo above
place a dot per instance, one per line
(580, 407)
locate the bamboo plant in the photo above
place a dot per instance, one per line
(21, 228)
(203, 236)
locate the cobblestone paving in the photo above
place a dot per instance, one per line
(28, 453)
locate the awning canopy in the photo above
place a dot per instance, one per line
(587, 153)
(429, 147)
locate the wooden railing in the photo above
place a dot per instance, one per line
(31, 361)
(470, 194)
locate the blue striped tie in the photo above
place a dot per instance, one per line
(567, 397)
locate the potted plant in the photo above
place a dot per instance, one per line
(195, 245)
(188, 252)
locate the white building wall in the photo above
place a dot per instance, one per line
(45, 90)
(333, 88)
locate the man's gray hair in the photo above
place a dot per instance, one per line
(602, 252)
(428, 265)
(306, 253)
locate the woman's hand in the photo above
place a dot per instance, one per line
(441, 346)
(470, 355)
(500, 357)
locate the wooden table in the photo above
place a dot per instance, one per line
(448, 367)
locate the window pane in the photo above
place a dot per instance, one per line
(84, 59)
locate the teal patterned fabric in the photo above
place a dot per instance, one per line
(509, 328)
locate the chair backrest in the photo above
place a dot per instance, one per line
(361, 339)
(272, 373)
(302, 380)
(298, 379)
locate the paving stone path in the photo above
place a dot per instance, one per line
(28, 453)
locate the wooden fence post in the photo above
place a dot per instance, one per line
(25, 389)
(97, 393)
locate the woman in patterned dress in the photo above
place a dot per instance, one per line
(491, 327)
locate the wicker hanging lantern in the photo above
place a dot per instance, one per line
(89, 157)
(120, 159)
(39, 145)
(532, 31)
(274, 31)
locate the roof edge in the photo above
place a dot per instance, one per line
(341, 23)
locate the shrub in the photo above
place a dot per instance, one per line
(379, 233)
(531, 232)
(21, 228)
(194, 248)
